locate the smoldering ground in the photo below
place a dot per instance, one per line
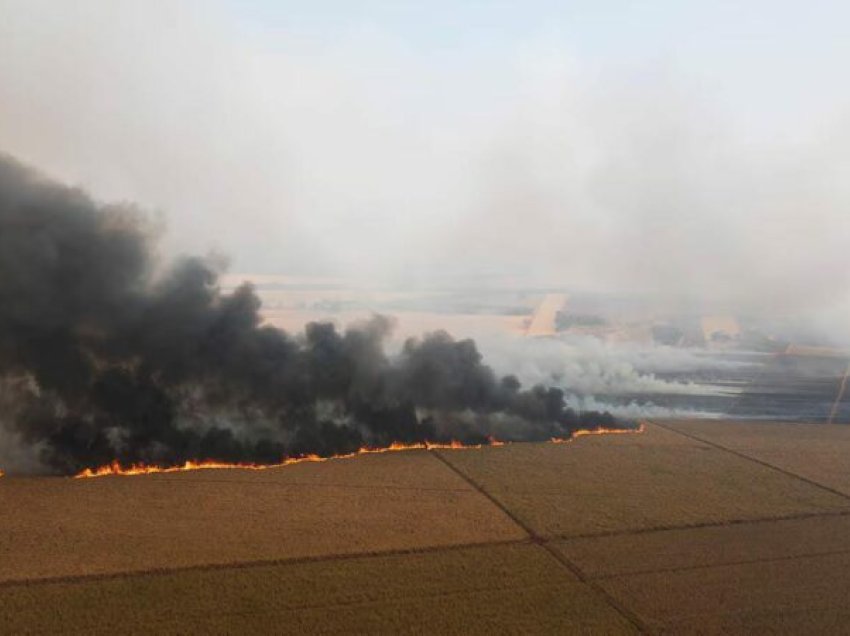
(105, 355)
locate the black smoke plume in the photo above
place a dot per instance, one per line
(103, 357)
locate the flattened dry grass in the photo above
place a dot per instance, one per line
(64, 527)
(626, 482)
(516, 588)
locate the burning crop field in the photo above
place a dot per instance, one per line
(107, 362)
(430, 318)
(172, 449)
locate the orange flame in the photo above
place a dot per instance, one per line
(598, 431)
(1, 472)
(115, 468)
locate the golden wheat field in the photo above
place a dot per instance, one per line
(65, 527)
(657, 479)
(814, 451)
(471, 590)
(655, 532)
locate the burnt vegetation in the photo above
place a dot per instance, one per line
(107, 357)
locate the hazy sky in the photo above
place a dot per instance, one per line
(678, 146)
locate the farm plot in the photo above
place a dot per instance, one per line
(612, 484)
(63, 527)
(803, 595)
(516, 588)
(814, 451)
(668, 550)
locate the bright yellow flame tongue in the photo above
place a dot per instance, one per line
(115, 468)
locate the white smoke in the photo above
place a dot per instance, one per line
(636, 411)
(361, 155)
(593, 367)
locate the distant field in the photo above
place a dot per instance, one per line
(291, 302)
(727, 325)
(543, 321)
(408, 323)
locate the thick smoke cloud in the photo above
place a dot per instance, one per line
(104, 357)
(562, 152)
(684, 160)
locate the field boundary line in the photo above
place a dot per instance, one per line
(709, 566)
(755, 460)
(258, 563)
(609, 534)
(480, 489)
(562, 559)
(302, 484)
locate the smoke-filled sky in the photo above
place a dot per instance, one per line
(691, 148)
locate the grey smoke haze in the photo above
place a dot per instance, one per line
(719, 174)
(637, 410)
(104, 356)
(593, 367)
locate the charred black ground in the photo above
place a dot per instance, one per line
(104, 357)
